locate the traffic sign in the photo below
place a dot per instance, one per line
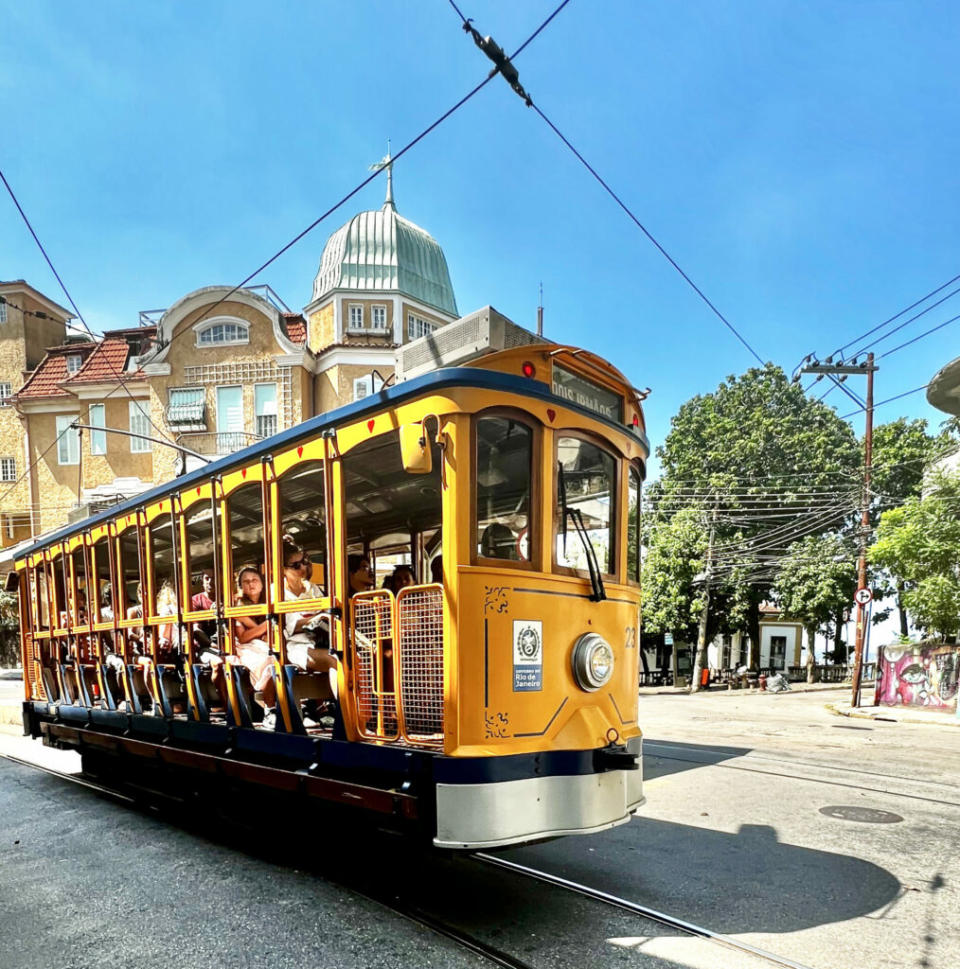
(863, 596)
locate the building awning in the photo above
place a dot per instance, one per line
(187, 406)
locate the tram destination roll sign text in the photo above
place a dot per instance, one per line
(586, 393)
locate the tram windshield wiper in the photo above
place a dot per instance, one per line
(596, 580)
(593, 566)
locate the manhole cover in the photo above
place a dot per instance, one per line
(854, 813)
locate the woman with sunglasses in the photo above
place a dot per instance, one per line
(301, 638)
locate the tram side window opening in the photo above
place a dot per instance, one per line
(131, 594)
(81, 596)
(303, 517)
(101, 597)
(633, 526)
(199, 550)
(586, 486)
(393, 517)
(161, 563)
(504, 479)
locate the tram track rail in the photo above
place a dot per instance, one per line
(713, 762)
(644, 911)
(445, 929)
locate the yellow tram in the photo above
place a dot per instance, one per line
(493, 701)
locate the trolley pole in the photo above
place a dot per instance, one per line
(864, 532)
(830, 369)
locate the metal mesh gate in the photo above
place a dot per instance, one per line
(420, 628)
(372, 663)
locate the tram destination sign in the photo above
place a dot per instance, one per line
(578, 390)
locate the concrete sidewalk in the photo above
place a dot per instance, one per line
(899, 714)
(718, 690)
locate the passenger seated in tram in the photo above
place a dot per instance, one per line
(360, 578)
(77, 615)
(436, 570)
(307, 637)
(169, 636)
(135, 633)
(251, 639)
(205, 631)
(400, 578)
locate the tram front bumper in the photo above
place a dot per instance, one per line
(474, 816)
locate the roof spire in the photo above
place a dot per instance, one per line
(387, 163)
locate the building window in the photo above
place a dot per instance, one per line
(417, 327)
(68, 440)
(365, 386)
(186, 408)
(265, 408)
(3, 310)
(223, 334)
(356, 316)
(74, 362)
(98, 439)
(8, 469)
(778, 652)
(378, 317)
(139, 424)
(5, 391)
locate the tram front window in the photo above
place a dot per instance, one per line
(504, 460)
(586, 486)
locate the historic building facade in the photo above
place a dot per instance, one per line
(92, 421)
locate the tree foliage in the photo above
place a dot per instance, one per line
(816, 580)
(760, 462)
(918, 543)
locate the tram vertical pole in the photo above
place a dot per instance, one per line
(864, 532)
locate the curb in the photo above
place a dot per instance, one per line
(949, 719)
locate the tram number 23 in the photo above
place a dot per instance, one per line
(630, 637)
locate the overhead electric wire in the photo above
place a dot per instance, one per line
(896, 316)
(366, 181)
(648, 234)
(940, 326)
(530, 103)
(889, 400)
(121, 379)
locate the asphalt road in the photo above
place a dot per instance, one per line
(732, 837)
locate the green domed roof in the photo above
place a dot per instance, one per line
(381, 250)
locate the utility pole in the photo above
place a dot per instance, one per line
(700, 659)
(828, 368)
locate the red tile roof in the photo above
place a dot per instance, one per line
(52, 371)
(296, 327)
(107, 362)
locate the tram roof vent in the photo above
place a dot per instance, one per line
(484, 331)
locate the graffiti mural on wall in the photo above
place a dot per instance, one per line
(919, 675)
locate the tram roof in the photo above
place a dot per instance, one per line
(433, 381)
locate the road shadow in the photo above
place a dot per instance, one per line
(664, 757)
(747, 881)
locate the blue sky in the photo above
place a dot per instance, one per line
(798, 160)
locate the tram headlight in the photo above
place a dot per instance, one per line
(592, 661)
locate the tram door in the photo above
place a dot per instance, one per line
(394, 525)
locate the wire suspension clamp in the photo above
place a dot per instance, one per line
(502, 64)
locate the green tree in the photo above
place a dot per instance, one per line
(772, 464)
(815, 581)
(918, 543)
(903, 451)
